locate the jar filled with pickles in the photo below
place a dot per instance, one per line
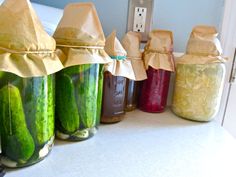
(26, 86)
(79, 86)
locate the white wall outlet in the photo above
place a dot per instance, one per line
(140, 14)
(140, 17)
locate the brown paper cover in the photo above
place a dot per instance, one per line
(118, 67)
(131, 43)
(25, 48)
(159, 51)
(80, 37)
(203, 47)
(203, 41)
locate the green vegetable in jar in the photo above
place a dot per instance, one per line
(66, 108)
(87, 86)
(78, 101)
(100, 90)
(39, 107)
(16, 141)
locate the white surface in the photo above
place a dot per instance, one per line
(143, 145)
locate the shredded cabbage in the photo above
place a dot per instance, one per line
(198, 90)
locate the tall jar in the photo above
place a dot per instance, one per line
(155, 90)
(77, 102)
(198, 90)
(131, 43)
(114, 86)
(113, 108)
(159, 64)
(26, 119)
(79, 85)
(200, 76)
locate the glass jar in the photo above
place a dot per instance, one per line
(154, 91)
(26, 119)
(132, 91)
(113, 106)
(198, 90)
(77, 109)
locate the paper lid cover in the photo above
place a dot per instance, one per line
(80, 26)
(160, 41)
(158, 51)
(131, 43)
(25, 47)
(203, 41)
(113, 46)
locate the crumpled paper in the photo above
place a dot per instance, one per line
(131, 43)
(79, 36)
(159, 51)
(25, 48)
(203, 47)
(120, 66)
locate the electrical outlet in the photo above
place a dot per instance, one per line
(140, 17)
(140, 14)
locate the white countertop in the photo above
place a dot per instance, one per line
(143, 145)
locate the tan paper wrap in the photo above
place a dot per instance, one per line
(158, 51)
(117, 67)
(25, 48)
(80, 37)
(203, 47)
(131, 43)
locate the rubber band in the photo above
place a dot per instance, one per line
(118, 57)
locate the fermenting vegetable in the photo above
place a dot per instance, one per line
(198, 90)
(26, 119)
(77, 101)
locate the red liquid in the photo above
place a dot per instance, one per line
(154, 91)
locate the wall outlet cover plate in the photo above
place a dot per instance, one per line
(140, 17)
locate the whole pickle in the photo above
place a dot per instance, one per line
(17, 142)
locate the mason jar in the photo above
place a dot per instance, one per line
(113, 106)
(154, 91)
(26, 119)
(78, 95)
(198, 90)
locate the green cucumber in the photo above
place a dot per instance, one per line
(17, 143)
(87, 88)
(100, 90)
(6, 78)
(39, 108)
(67, 115)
